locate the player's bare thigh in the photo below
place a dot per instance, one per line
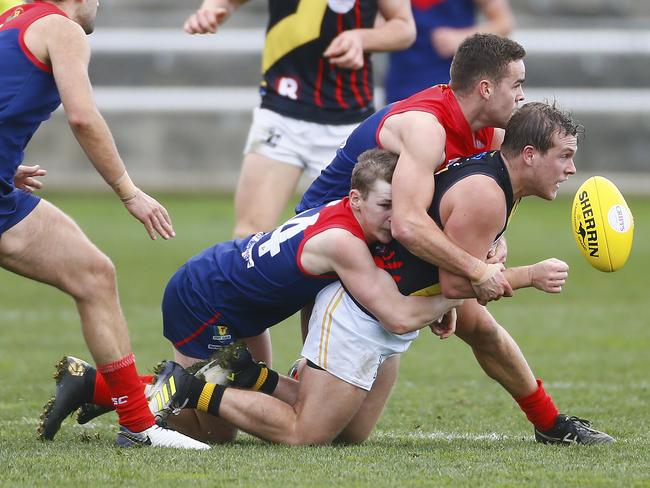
(325, 406)
(48, 246)
(364, 421)
(264, 188)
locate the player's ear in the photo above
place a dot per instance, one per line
(355, 198)
(528, 154)
(485, 89)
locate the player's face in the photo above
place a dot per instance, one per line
(555, 167)
(507, 94)
(375, 213)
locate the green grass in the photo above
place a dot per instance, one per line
(446, 424)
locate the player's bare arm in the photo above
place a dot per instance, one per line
(499, 20)
(473, 223)
(337, 250)
(397, 32)
(63, 45)
(210, 15)
(413, 186)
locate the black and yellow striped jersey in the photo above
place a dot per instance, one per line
(297, 80)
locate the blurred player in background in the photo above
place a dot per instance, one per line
(317, 86)
(441, 27)
(44, 57)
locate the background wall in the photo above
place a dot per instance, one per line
(179, 106)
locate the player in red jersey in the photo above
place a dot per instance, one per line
(45, 55)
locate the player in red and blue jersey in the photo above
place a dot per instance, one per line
(44, 57)
(238, 289)
(441, 26)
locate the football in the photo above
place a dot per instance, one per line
(603, 225)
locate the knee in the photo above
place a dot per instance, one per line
(96, 277)
(309, 438)
(480, 330)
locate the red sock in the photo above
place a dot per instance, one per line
(127, 393)
(539, 408)
(102, 395)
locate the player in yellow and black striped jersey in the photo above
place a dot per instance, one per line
(317, 85)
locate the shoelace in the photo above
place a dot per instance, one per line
(583, 422)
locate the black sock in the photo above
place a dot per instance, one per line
(210, 398)
(257, 377)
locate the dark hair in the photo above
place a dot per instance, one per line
(372, 165)
(483, 56)
(534, 125)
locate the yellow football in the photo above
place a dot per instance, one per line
(603, 225)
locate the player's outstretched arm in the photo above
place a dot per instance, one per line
(413, 186)
(397, 32)
(69, 53)
(348, 256)
(210, 15)
(548, 275)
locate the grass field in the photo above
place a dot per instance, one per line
(446, 424)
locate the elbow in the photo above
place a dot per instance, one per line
(449, 290)
(403, 231)
(396, 326)
(409, 35)
(79, 122)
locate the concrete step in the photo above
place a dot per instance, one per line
(195, 141)
(161, 57)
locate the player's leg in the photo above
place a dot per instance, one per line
(325, 405)
(270, 172)
(49, 247)
(364, 421)
(501, 359)
(494, 348)
(263, 190)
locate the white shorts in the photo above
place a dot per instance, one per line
(308, 145)
(347, 342)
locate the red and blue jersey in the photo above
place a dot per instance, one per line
(334, 181)
(420, 66)
(27, 98)
(251, 284)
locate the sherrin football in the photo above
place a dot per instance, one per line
(603, 225)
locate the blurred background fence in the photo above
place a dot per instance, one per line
(179, 106)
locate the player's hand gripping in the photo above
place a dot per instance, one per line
(498, 253)
(446, 326)
(346, 50)
(549, 275)
(25, 178)
(492, 285)
(152, 214)
(206, 19)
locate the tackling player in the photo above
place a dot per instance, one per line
(44, 57)
(238, 289)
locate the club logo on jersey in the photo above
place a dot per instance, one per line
(16, 13)
(341, 6)
(288, 87)
(221, 335)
